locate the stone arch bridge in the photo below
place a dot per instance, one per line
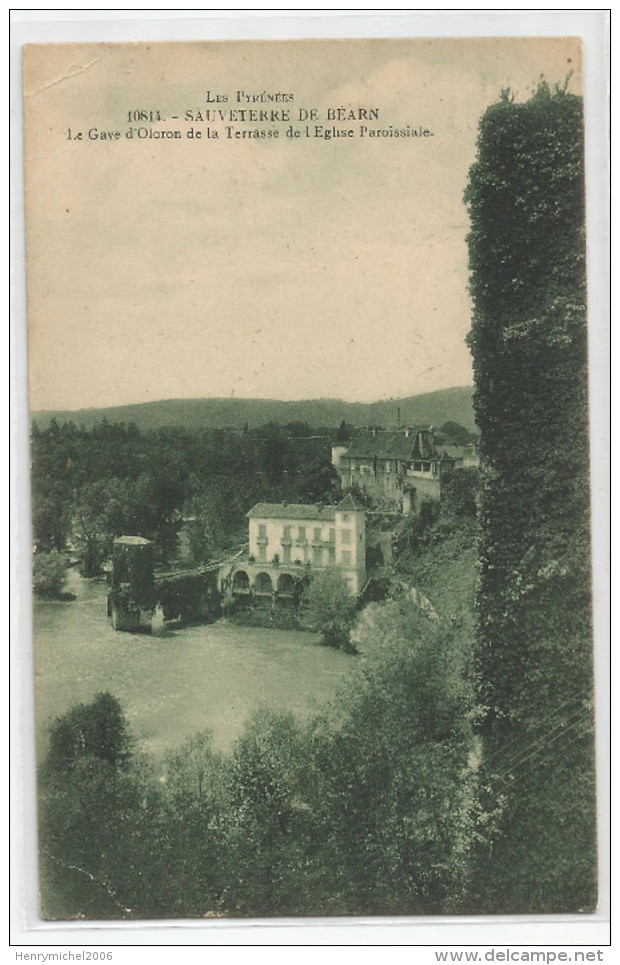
(263, 584)
(137, 592)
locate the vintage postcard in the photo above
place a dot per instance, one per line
(308, 370)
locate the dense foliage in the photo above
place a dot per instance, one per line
(190, 597)
(453, 433)
(87, 732)
(329, 608)
(49, 574)
(528, 339)
(370, 808)
(92, 485)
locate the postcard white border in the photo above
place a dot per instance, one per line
(37, 26)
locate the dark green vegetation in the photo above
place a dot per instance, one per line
(455, 772)
(330, 608)
(436, 550)
(370, 807)
(93, 485)
(196, 414)
(528, 339)
(49, 575)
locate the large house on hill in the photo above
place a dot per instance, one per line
(289, 541)
(398, 468)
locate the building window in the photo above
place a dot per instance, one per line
(332, 535)
(317, 553)
(346, 558)
(286, 553)
(346, 536)
(287, 532)
(262, 552)
(317, 532)
(302, 533)
(331, 555)
(262, 540)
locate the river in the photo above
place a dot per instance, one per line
(175, 682)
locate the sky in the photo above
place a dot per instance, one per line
(280, 267)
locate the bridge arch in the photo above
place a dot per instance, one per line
(241, 582)
(286, 585)
(263, 585)
(302, 586)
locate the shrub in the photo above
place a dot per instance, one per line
(50, 574)
(330, 608)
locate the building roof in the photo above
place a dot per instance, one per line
(392, 445)
(455, 452)
(132, 541)
(303, 510)
(349, 504)
(383, 445)
(291, 511)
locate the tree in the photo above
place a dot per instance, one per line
(391, 779)
(459, 491)
(330, 608)
(206, 526)
(274, 451)
(103, 510)
(528, 340)
(50, 574)
(455, 433)
(343, 433)
(159, 495)
(98, 729)
(195, 857)
(298, 429)
(91, 803)
(320, 483)
(265, 841)
(50, 516)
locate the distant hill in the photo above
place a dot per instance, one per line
(433, 408)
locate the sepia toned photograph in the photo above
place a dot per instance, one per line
(310, 479)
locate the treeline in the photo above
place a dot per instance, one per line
(370, 808)
(91, 485)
